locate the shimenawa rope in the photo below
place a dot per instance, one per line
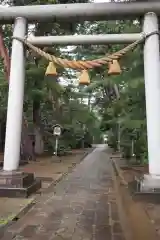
(88, 64)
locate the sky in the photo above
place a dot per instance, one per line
(101, 1)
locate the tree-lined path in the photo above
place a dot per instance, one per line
(82, 206)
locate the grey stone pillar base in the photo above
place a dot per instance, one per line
(17, 184)
(149, 183)
(146, 188)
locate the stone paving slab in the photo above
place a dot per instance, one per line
(80, 207)
(49, 172)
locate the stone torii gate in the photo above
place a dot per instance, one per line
(13, 182)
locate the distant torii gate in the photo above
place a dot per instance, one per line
(10, 178)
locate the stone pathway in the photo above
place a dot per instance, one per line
(80, 207)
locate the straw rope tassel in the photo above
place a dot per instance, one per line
(114, 68)
(84, 78)
(51, 70)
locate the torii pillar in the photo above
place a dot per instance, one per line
(151, 181)
(14, 183)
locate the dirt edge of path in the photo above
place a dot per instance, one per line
(136, 224)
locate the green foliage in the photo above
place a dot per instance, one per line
(120, 100)
(47, 101)
(115, 105)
